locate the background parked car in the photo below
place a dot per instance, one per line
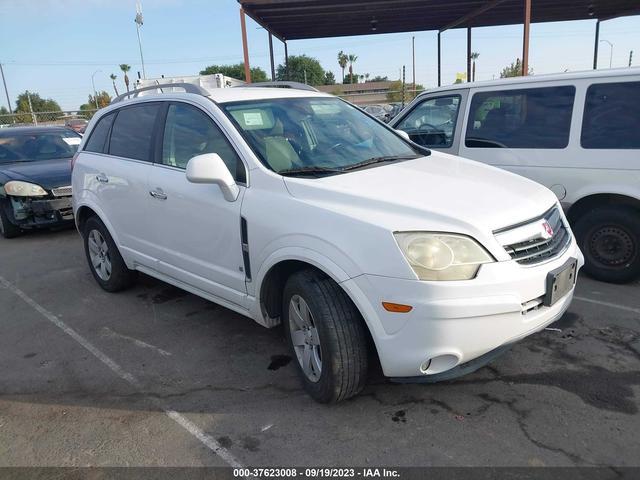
(576, 133)
(78, 125)
(35, 177)
(377, 111)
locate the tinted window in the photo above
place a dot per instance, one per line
(32, 147)
(526, 118)
(132, 132)
(612, 116)
(433, 122)
(189, 132)
(98, 140)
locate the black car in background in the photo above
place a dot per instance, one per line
(35, 177)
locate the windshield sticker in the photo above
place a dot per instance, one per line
(253, 119)
(72, 140)
(325, 108)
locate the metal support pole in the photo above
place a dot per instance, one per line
(595, 46)
(33, 115)
(286, 61)
(525, 37)
(403, 87)
(468, 54)
(245, 48)
(95, 94)
(439, 61)
(413, 49)
(273, 67)
(5, 89)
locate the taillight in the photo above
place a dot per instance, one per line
(73, 160)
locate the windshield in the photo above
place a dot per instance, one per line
(315, 135)
(32, 147)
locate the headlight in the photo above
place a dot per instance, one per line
(442, 256)
(24, 189)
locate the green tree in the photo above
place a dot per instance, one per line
(329, 78)
(103, 98)
(113, 77)
(514, 70)
(301, 66)
(343, 59)
(352, 59)
(4, 120)
(474, 57)
(236, 71)
(39, 105)
(351, 78)
(395, 91)
(378, 78)
(125, 68)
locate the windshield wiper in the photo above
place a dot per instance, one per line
(374, 160)
(311, 170)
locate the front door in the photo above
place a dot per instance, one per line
(197, 232)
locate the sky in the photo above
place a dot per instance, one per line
(53, 47)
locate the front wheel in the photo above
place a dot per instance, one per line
(326, 335)
(610, 240)
(7, 229)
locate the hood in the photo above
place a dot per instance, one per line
(46, 173)
(440, 192)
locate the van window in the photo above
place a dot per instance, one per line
(611, 116)
(433, 122)
(98, 140)
(132, 132)
(523, 118)
(189, 132)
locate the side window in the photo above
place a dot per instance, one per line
(612, 116)
(132, 132)
(98, 140)
(523, 118)
(433, 122)
(189, 132)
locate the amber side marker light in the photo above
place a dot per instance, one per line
(396, 307)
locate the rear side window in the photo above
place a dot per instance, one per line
(612, 116)
(98, 140)
(132, 132)
(523, 118)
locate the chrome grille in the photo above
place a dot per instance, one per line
(536, 240)
(61, 191)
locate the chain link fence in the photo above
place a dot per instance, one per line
(62, 118)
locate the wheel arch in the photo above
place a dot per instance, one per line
(587, 203)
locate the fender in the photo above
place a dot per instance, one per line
(613, 189)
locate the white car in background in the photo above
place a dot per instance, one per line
(292, 206)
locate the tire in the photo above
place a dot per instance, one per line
(7, 229)
(335, 336)
(609, 238)
(105, 262)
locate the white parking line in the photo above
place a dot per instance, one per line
(608, 304)
(107, 332)
(181, 420)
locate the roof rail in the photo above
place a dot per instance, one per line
(280, 84)
(188, 88)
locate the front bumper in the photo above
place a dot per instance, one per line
(28, 212)
(453, 323)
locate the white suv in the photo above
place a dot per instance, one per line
(292, 206)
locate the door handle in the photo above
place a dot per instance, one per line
(158, 193)
(102, 178)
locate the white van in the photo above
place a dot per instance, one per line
(576, 133)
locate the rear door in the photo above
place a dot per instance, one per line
(122, 175)
(196, 231)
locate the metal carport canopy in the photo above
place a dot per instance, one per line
(303, 19)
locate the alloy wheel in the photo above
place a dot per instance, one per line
(99, 254)
(305, 339)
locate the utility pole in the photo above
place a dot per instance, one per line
(413, 50)
(403, 87)
(139, 22)
(95, 94)
(305, 76)
(33, 115)
(7, 91)
(630, 59)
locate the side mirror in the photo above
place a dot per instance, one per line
(209, 168)
(403, 134)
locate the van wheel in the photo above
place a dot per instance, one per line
(105, 261)
(609, 237)
(327, 336)
(7, 229)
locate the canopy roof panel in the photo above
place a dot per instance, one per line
(299, 19)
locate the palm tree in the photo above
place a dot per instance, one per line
(352, 58)
(125, 68)
(474, 57)
(366, 77)
(113, 80)
(342, 61)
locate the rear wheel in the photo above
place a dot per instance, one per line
(610, 240)
(326, 335)
(7, 229)
(105, 261)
